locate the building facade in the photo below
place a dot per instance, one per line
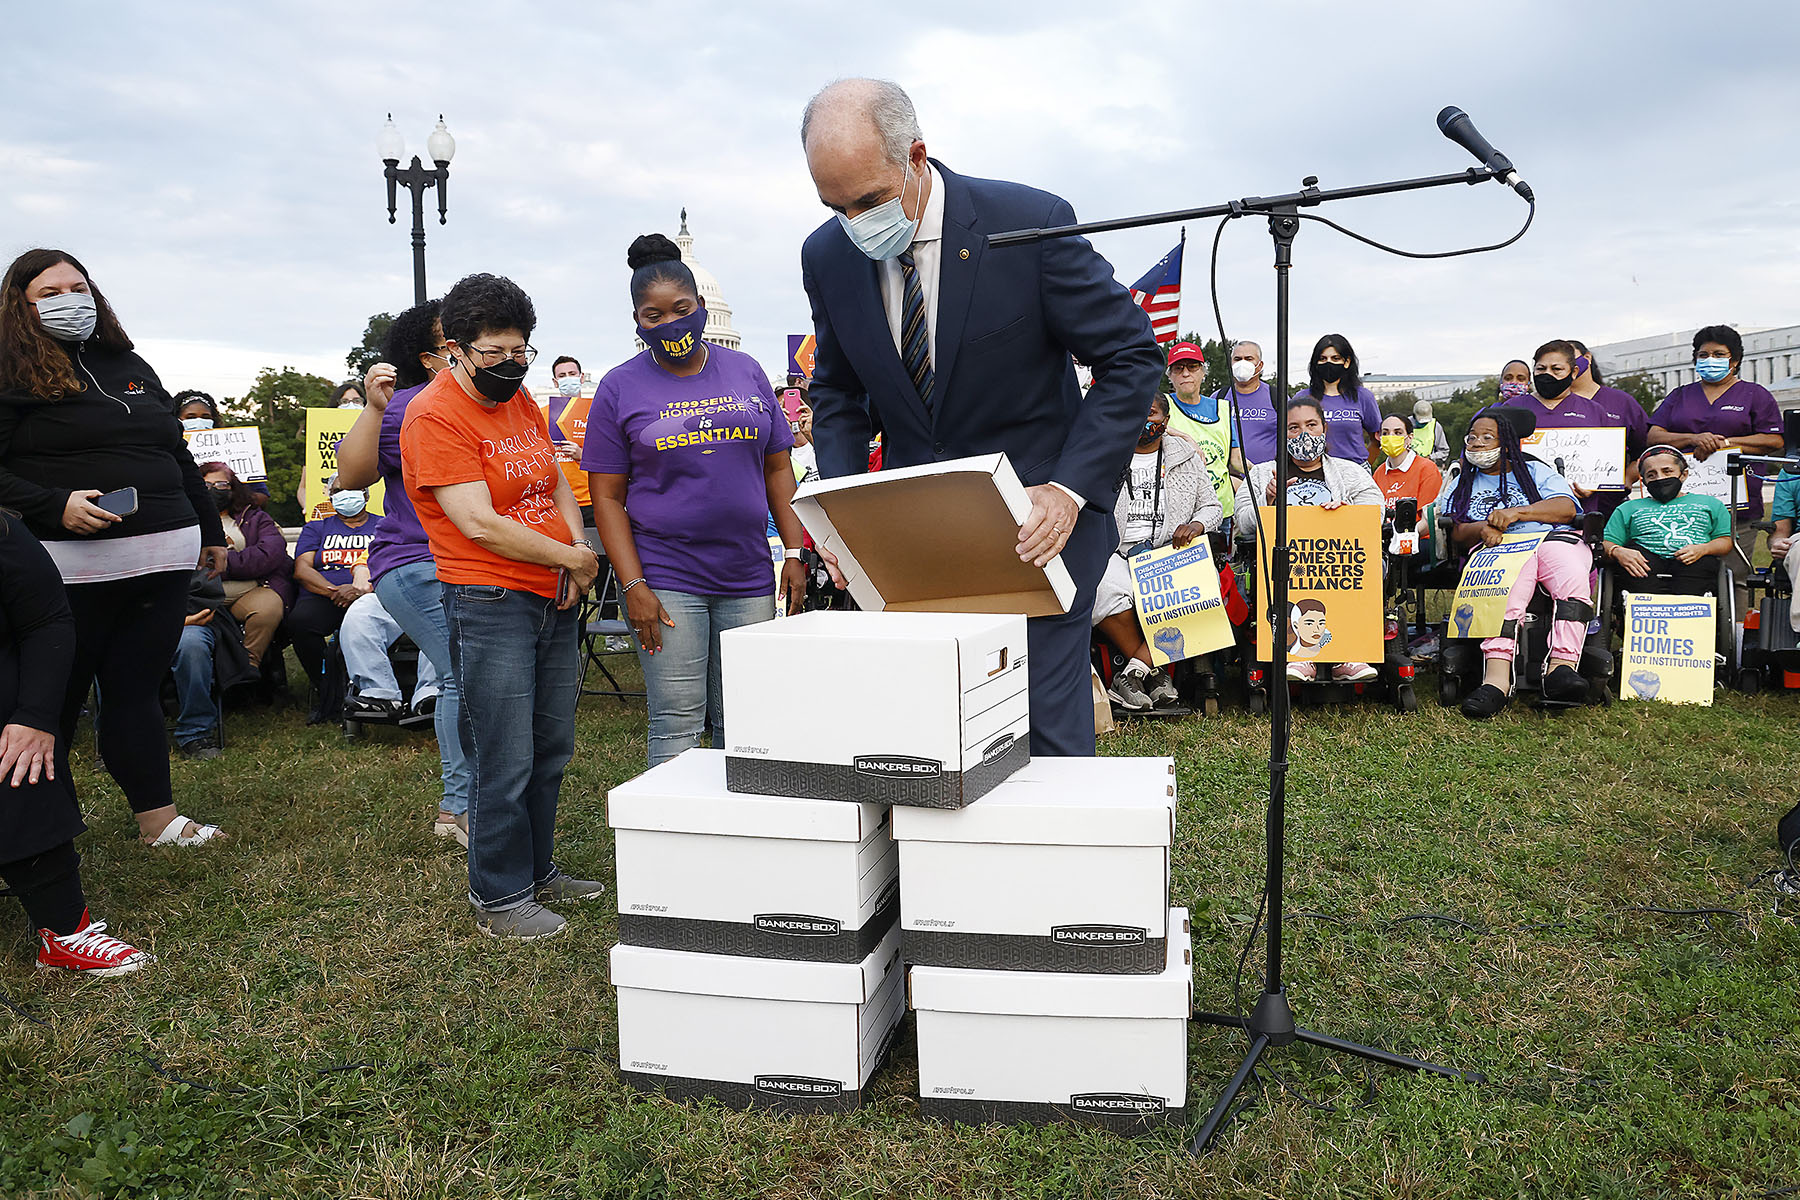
(1771, 356)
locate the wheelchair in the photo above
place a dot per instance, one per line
(1394, 680)
(1614, 583)
(1769, 656)
(1461, 666)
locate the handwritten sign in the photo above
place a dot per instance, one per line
(1591, 458)
(238, 447)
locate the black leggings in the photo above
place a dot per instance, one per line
(126, 631)
(313, 619)
(49, 886)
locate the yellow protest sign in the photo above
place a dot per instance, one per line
(1178, 602)
(1334, 584)
(324, 426)
(1669, 646)
(1487, 580)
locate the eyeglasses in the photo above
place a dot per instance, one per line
(524, 356)
(1481, 439)
(1713, 354)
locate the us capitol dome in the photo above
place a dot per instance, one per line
(719, 330)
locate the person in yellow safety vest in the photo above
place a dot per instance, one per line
(1428, 440)
(1201, 419)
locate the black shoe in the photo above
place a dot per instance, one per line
(1565, 685)
(358, 709)
(426, 707)
(1484, 702)
(200, 747)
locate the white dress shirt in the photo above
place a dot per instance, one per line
(928, 257)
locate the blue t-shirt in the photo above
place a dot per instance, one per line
(337, 549)
(1488, 492)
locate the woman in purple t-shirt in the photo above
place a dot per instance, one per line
(1352, 417)
(1719, 409)
(687, 458)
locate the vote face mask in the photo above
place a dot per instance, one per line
(1243, 371)
(1549, 386)
(1514, 391)
(1306, 447)
(674, 343)
(1665, 489)
(885, 230)
(1328, 372)
(196, 424)
(69, 317)
(1393, 444)
(1710, 369)
(569, 386)
(349, 504)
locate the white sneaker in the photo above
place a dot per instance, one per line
(1353, 672)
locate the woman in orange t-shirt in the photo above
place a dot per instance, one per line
(505, 531)
(1404, 474)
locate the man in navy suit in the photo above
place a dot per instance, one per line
(951, 348)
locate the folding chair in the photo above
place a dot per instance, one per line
(602, 618)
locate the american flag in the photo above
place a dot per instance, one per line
(1159, 294)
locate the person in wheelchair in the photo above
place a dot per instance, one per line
(1167, 499)
(1785, 512)
(367, 634)
(1499, 490)
(1314, 478)
(1668, 541)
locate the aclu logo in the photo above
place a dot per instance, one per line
(791, 1086)
(1097, 935)
(1117, 1104)
(797, 925)
(897, 766)
(998, 747)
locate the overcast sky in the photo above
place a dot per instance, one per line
(214, 164)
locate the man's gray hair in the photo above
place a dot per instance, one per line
(886, 105)
(1242, 342)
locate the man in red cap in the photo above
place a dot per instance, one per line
(1200, 418)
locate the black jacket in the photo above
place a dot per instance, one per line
(37, 648)
(120, 432)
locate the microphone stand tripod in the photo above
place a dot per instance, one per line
(1271, 1021)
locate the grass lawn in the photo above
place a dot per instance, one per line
(324, 1021)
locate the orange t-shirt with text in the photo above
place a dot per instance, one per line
(573, 424)
(1421, 480)
(448, 438)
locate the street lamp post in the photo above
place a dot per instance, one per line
(417, 178)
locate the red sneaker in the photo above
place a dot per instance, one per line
(88, 951)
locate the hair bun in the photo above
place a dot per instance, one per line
(651, 248)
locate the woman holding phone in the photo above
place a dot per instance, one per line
(78, 407)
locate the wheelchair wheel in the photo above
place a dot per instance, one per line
(1256, 702)
(1210, 706)
(1449, 689)
(352, 729)
(1405, 699)
(1750, 681)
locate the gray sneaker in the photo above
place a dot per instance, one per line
(526, 923)
(1161, 688)
(1127, 691)
(561, 887)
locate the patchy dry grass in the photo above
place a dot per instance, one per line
(324, 1022)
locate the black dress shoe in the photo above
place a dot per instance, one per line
(1484, 702)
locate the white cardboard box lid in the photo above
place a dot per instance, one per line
(934, 538)
(946, 627)
(687, 794)
(756, 978)
(1054, 994)
(1060, 802)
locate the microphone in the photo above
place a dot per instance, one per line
(1454, 124)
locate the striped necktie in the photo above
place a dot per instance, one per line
(915, 332)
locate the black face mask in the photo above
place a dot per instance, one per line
(1329, 372)
(1665, 489)
(1150, 432)
(1549, 386)
(498, 384)
(221, 497)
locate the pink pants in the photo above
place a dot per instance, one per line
(1564, 569)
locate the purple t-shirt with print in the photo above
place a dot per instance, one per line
(1256, 412)
(692, 450)
(401, 539)
(1744, 409)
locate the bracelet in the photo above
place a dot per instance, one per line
(789, 553)
(631, 585)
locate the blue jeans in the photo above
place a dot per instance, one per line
(193, 668)
(682, 678)
(516, 665)
(413, 596)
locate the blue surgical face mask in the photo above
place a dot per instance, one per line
(196, 424)
(885, 230)
(1712, 369)
(569, 386)
(349, 504)
(68, 316)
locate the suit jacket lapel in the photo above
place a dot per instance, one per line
(864, 282)
(959, 258)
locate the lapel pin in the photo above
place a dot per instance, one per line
(965, 254)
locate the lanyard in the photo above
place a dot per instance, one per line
(1156, 496)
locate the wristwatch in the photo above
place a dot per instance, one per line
(788, 552)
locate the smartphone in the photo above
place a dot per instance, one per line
(565, 587)
(121, 503)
